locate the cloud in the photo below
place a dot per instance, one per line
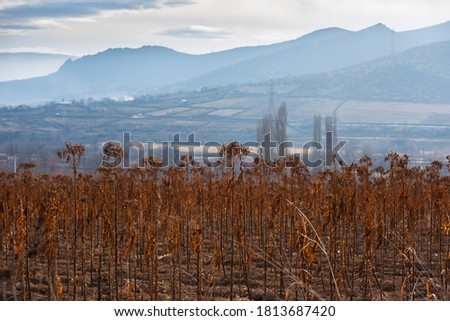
(29, 13)
(89, 26)
(197, 31)
(68, 9)
(44, 50)
(177, 3)
(18, 27)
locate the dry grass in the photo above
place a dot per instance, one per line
(187, 233)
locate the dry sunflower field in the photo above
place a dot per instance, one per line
(262, 233)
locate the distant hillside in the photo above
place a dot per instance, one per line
(123, 72)
(418, 75)
(153, 70)
(322, 54)
(25, 65)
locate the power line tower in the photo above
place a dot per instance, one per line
(271, 98)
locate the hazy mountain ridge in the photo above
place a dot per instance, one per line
(123, 72)
(420, 74)
(325, 55)
(154, 69)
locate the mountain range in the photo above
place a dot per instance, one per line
(333, 62)
(421, 74)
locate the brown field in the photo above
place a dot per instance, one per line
(186, 233)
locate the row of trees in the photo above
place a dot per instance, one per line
(276, 127)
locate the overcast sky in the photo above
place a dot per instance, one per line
(195, 26)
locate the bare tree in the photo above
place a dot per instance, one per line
(281, 126)
(330, 126)
(281, 123)
(264, 126)
(277, 129)
(317, 127)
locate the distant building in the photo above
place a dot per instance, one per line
(63, 103)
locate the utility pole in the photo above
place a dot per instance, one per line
(271, 98)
